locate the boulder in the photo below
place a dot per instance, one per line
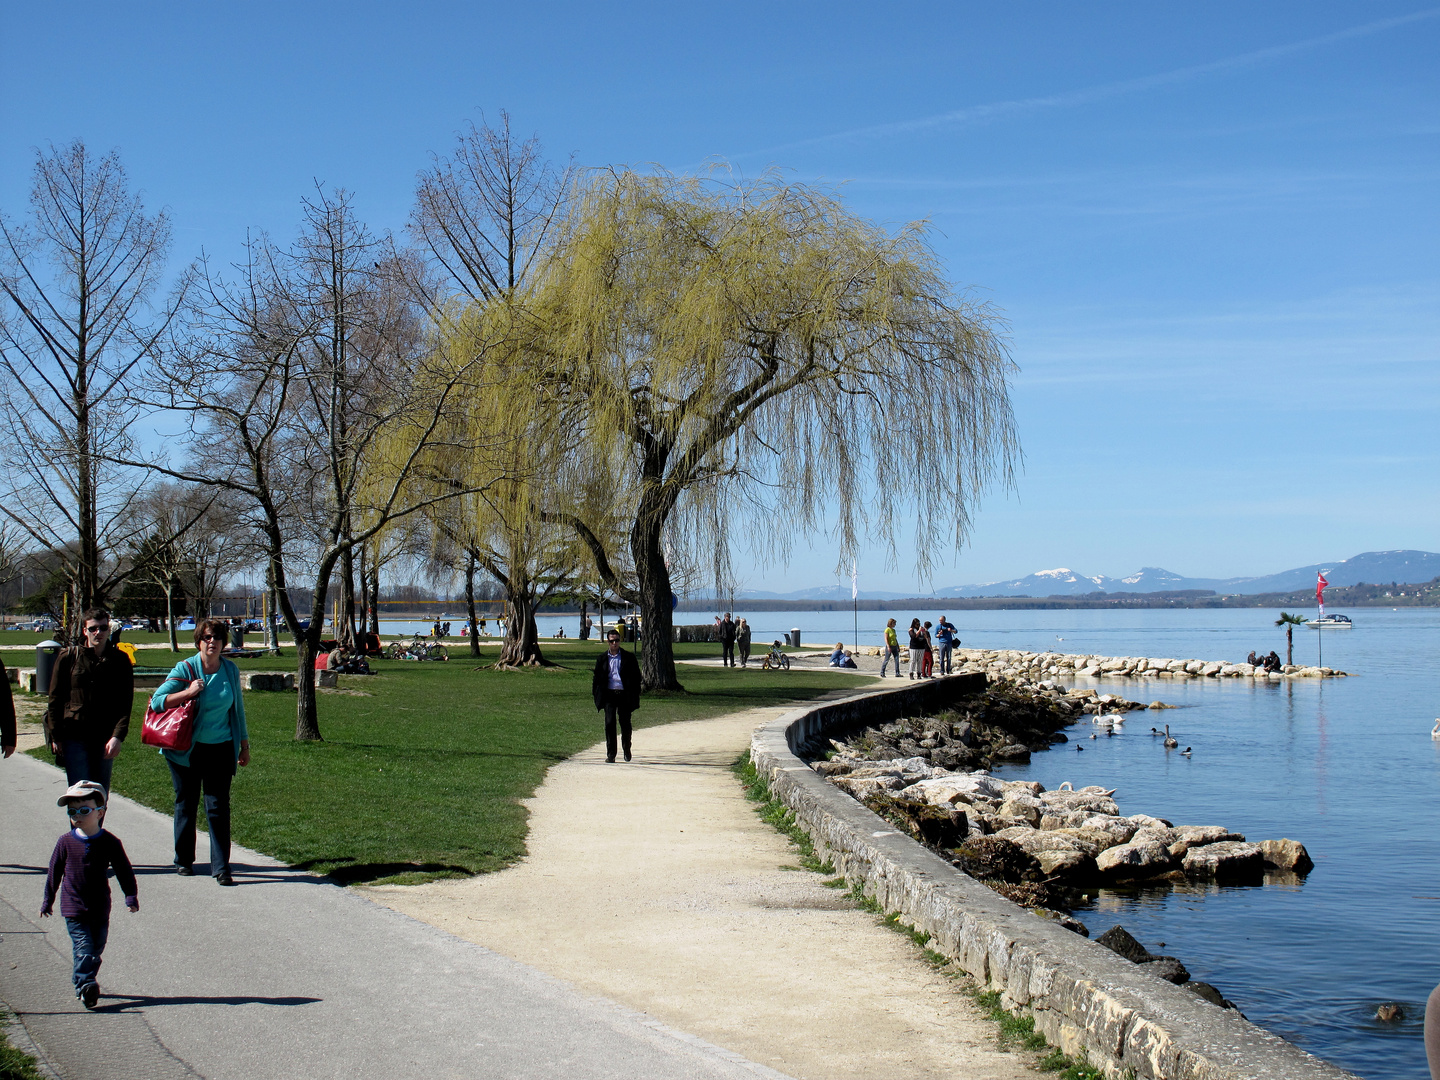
(932, 825)
(1012, 752)
(328, 679)
(1210, 994)
(1090, 841)
(1286, 855)
(1025, 807)
(1118, 940)
(1069, 923)
(1135, 862)
(862, 788)
(1212, 669)
(1225, 860)
(1071, 865)
(989, 857)
(833, 768)
(1168, 968)
(1123, 829)
(1195, 835)
(947, 790)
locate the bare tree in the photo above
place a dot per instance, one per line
(75, 282)
(485, 213)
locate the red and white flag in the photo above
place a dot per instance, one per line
(1320, 590)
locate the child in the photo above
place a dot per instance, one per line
(78, 869)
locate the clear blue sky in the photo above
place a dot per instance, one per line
(1213, 228)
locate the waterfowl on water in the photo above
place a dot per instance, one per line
(1094, 736)
(1185, 752)
(1435, 731)
(1154, 731)
(1079, 749)
(1170, 741)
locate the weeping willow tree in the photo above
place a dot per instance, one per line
(754, 356)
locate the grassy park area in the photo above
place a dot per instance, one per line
(424, 764)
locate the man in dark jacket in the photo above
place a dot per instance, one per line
(616, 688)
(92, 691)
(727, 641)
(7, 715)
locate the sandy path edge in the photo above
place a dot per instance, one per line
(655, 884)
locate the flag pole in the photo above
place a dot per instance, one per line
(855, 601)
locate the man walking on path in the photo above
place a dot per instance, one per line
(892, 649)
(92, 692)
(616, 688)
(727, 641)
(8, 735)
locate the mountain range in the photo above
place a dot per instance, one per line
(1372, 567)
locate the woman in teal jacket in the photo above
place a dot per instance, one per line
(219, 744)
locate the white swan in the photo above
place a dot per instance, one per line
(1435, 731)
(1170, 741)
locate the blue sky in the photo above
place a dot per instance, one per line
(1212, 228)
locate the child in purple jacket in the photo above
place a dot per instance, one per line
(78, 870)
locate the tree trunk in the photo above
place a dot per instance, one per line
(170, 618)
(522, 638)
(307, 720)
(657, 649)
(1289, 645)
(345, 631)
(473, 631)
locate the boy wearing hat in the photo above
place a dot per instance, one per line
(78, 870)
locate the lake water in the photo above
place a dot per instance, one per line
(1346, 766)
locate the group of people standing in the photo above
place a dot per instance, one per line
(734, 635)
(923, 648)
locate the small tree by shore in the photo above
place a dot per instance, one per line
(1290, 622)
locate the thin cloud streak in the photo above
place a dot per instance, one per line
(975, 114)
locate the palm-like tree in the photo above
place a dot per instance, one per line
(1290, 622)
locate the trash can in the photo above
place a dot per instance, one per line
(237, 636)
(45, 655)
(795, 636)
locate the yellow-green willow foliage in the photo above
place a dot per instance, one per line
(752, 358)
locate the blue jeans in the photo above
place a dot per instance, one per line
(88, 936)
(945, 651)
(890, 654)
(87, 761)
(211, 768)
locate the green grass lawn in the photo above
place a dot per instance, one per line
(423, 777)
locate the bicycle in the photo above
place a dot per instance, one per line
(775, 659)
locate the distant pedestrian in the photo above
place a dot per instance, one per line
(945, 640)
(892, 649)
(585, 625)
(79, 867)
(616, 689)
(727, 641)
(220, 743)
(917, 648)
(927, 669)
(92, 691)
(8, 737)
(742, 641)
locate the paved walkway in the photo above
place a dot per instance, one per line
(287, 976)
(656, 885)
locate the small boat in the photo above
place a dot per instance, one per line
(1331, 622)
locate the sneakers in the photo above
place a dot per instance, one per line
(89, 994)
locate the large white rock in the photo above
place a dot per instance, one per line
(945, 790)
(1225, 859)
(1135, 862)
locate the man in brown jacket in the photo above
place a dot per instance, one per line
(92, 691)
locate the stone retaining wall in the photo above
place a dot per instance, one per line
(1084, 998)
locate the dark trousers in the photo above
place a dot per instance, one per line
(616, 711)
(211, 768)
(87, 761)
(744, 653)
(87, 937)
(727, 653)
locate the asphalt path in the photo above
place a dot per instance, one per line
(287, 975)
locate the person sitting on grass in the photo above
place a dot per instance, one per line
(78, 867)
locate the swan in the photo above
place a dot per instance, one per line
(1170, 741)
(1435, 731)
(1065, 785)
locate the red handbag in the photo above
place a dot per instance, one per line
(170, 729)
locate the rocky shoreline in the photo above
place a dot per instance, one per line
(1016, 664)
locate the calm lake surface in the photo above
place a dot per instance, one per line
(1346, 766)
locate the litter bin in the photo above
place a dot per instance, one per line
(795, 636)
(45, 655)
(237, 636)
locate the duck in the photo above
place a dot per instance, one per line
(1154, 731)
(1170, 741)
(1185, 752)
(1079, 749)
(1094, 736)
(1435, 731)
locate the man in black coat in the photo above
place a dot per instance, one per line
(727, 641)
(616, 688)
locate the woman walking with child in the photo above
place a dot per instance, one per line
(220, 743)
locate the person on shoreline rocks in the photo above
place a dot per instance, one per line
(917, 648)
(616, 689)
